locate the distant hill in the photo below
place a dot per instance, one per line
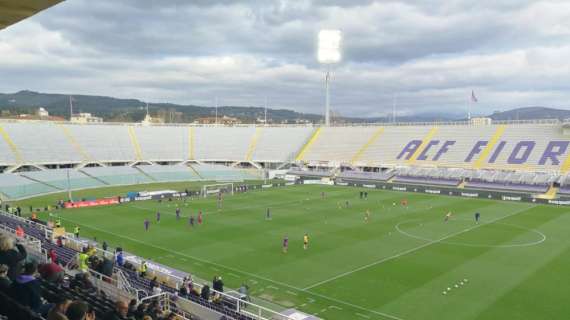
(531, 113)
(113, 109)
(133, 110)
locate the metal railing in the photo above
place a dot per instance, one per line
(309, 125)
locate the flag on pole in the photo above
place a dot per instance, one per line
(473, 97)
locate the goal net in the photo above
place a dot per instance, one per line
(215, 189)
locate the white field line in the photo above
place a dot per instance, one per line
(411, 250)
(385, 315)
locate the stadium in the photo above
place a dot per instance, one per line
(402, 221)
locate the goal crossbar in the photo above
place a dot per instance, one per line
(214, 189)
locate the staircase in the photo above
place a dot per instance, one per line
(41, 182)
(95, 178)
(549, 194)
(145, 174)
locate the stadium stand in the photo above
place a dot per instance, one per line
(179, 172)
(63, 179)
(13, 186)
(119, 175)
(100, 291)
(280, 144)
(522, 156)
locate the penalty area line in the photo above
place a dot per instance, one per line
(411, 250)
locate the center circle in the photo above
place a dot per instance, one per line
(418, 222)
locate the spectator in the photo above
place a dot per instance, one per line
(132, 308)
(20, 232)
(26, 289)
(244, 292)
(153, 310)
(81, 280)
(57, 312)
(156, 290)
(153, 283)
(218, 284)
(52, 255)
(91, 250)
(119, 313)
(79, 310)
(120, 259)
(51, 272)
(140, 312)
(82, 261)
(142, 269)
(11, 257)
(5, 282)
(107, 267)
(183, 291)
(205, 294)
(59, 241)
(171, 316)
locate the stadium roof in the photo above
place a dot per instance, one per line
(12, 11)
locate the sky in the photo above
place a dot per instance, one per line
(420, 56)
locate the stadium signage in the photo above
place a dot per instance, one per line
(372, 186)
(509, 198)
(290, 177)
(433, 191)
(470, 194)
(266, 185)
(399, 188)
(154, 266)
(515, 152)
(342, 184)
(328, 182)
(560, 202)
(91, 203)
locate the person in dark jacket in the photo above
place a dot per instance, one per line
(11, 256)
(107, 267)
(5, 282)
(57, 312)
(119, 313)
(78, 310)
(26, 289)
(205, 293)
(218, 284)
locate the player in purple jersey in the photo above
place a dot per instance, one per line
(177, 213)
(158, 216)
(146, 224)
(285, 244)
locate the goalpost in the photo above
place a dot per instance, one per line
(215, 189)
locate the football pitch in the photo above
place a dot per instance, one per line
(405, 263)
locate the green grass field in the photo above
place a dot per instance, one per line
(397, 266)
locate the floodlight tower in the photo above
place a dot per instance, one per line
(328, 53)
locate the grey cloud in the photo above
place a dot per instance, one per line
(430, 53)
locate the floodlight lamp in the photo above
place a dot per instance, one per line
(329, 46)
